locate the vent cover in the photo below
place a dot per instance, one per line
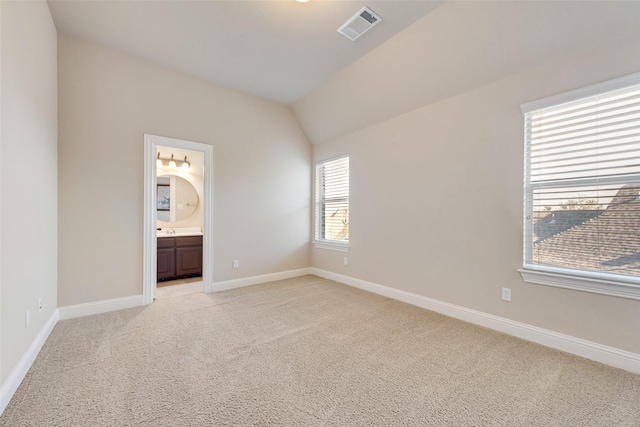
(359, 24)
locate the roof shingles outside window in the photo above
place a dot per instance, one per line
(600, 240)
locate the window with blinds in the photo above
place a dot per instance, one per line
(582, 182)
(332, 201)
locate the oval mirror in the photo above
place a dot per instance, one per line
(177, 198)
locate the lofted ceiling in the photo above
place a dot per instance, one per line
(421, 52)
(460, 46)
(275, 49)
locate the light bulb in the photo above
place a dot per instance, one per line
(158, 161)
(185, 164)
(172, 163)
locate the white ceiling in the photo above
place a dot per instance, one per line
(275, 49)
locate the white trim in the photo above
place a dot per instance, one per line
(256, 280)
(600, 353)
(599, 282)
(596, 285)
(18, 373)
(207, 239)
(149, 243)
(318, 198)
(331, 159)
(583, 92)
(333, 246)
(97, 307)
(151, 142)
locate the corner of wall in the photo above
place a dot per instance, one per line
(9, 387)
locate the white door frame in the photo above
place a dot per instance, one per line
(151, 144)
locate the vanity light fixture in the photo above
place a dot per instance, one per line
(185, 163)
(172, 163)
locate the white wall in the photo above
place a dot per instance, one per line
(28, 176)
(107, 102)
(436, 202)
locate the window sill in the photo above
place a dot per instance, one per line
(332, 246)
(605, 284)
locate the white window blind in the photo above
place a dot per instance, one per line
(582, 182)
(332, 201)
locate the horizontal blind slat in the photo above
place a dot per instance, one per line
(581, 104)
(598, 108)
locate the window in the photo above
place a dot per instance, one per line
(582, 182)
(332, 204)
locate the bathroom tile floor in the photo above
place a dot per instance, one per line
(178, 282)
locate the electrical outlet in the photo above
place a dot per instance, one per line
(506, 294)
(236, 263)
(27, 318)
(346, 261)
(39, 305)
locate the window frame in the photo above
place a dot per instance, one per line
(598, 282)
(321, 243)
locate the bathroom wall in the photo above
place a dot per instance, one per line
(28, 178)
(194, 175)
(107, 102)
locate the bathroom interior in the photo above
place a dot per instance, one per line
(180, 216)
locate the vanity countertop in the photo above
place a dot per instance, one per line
(179, 232)
(178, 235)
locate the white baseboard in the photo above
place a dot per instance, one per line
(20, 371)
(255, 280)
(97, 307)
(600, 353)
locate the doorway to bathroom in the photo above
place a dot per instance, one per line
(189, 217)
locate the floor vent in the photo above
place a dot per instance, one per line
(359, 24)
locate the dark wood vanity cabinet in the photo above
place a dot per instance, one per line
(166, 261)
(188, 256)
(179, 257)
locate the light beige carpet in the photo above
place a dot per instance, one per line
(308, 352)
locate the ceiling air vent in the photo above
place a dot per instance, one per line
(359, 24)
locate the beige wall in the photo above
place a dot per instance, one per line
(28, 169)
(107, 102)
(436, 202)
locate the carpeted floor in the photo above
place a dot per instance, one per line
(308, 352)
